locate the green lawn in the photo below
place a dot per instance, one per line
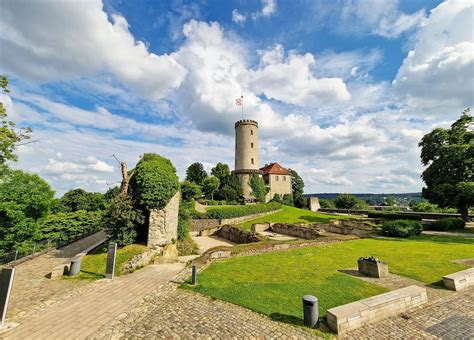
(274, 283)
(293, 215)
(93, 265)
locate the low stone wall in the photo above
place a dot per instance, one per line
(237, 235)
(360, 313)
(459, 280)
(424, 215)
(345, 227)
(141, 260)
(259, 227)
(307, 233)
(163, 224)
(199, 225)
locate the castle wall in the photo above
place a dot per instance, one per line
(163, 224)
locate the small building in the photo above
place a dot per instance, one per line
(278, 180)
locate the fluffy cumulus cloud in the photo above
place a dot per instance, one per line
(378, 17)
(49, 40)
(439, 69)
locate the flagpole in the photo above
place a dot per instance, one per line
(242, 98)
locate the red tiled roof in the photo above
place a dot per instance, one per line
(274, 169)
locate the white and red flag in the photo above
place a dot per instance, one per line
(239, 101)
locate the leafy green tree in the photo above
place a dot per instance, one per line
(448, 155)
(259, 189)
(10, 138)
(154, 182)
(221, 171)
(297, 186)
(24, 199)
(111, 193)
(121, 220)
(79, 199)
(210, 185)
(390, 201)
(276, 198)
(67, 226)
(190, 190)
(287, 200)
(327, 203)
(196, 173)
(346, 201)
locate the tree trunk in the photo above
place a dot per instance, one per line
(464, 211)
(125, 179)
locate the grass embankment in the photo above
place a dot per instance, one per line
(294, 215)
(93, 265)
(274, 283)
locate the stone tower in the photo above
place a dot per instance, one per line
(246, 153)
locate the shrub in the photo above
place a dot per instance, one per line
(154, 182)
(187, 246)
(237, 211)
(63, 227)
(402, 228)
(183, 221)
(327, 203)
(259, 189)
(348, 201)
(288, 200)
(121, 220)
(444, 224)
(190, 190)
(393, 216)
(276, 198)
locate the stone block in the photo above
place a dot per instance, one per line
(314, 204)
(170, 254)
(59, 271)
(259, 227)
(377, 269)
(459, 280)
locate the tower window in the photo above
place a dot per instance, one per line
(251, 145)
(284, 178)
(251, 160)
(276, 178)
(251, 132)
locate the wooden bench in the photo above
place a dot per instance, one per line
(459, 280)
(357, 314)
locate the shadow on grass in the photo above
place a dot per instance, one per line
(286, 319)
(315, 219)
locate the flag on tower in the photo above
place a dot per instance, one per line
(238, 101)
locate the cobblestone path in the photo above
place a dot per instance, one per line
(86, 313)
(174, 313)
(32, 291)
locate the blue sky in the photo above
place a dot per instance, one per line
(343, 90)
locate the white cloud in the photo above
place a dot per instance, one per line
(269, 7)
(378, 17)
(51, 40)
(438, 72)
(238, 18)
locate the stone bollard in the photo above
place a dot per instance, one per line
(75, 267)
(310, 311)
(194, 276)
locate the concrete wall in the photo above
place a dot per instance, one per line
(313, 203)
(203, 224)
(237, 235)
(163, 224)
(307, 233)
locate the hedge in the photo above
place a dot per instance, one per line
(393, 216)
(444, 224)
(402, 228)
(222, 212)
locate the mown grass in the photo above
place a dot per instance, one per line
(274, 283)
(294, 215)
(93, 265)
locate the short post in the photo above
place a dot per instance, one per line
(310, 311)
(6, 283)
(75, 267)
(109, 271)
(194, 276)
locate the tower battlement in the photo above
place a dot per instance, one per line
(246, 122)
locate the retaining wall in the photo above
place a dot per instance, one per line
(237, 235)
(307, 233)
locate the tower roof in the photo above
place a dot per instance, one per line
(274, 169)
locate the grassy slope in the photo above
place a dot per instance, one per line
(273, 283)
(93, 265)
(293, 215)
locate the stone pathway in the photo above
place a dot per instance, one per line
(32, 291)
(175, 313)
(86, 313)
(448, 233)
(207, 242)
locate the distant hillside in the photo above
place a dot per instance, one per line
(377, 199)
